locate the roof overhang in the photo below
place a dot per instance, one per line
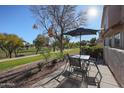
(113, 30)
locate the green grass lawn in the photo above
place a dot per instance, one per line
(13, 63)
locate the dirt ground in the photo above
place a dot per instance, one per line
(27, 81)
(40, 75)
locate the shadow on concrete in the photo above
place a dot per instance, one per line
(91, 81)
(69, 83)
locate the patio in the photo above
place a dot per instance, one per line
(74, 81)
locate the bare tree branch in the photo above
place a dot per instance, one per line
(60, 18)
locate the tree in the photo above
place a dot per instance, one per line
(27, 45)
(57, 19)
(93, 40)
(10, 43)
(55, 45)
(2, 43)
(83, 42)
(45, 52)
(66, 41)
(40, 42)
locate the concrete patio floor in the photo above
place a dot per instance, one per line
(108, 80)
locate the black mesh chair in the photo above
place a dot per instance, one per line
(78, 66)
(98, 77)
(71, 65)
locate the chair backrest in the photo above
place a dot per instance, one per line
(98, 76)
(92, 60)
(74, 62)
(66, 57)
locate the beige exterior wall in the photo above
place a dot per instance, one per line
(114, 57)
(115, 60)
(122, 13)
(122, 39)
(114, 15)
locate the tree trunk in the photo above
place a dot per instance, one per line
(61, 47)
(54, 49)
(37, 50)
(61, 43)
(15, 52)
(6, 54)
(4, 51)
(10, 54)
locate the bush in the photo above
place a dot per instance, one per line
(40, 66)
(93, 51)
(45, 52)
(59, 56)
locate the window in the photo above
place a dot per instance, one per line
(110, 42)
(117, 40)
(106, 42)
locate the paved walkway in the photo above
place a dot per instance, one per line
(8, 59)
(108, 81)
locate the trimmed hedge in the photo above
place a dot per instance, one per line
(93, 51)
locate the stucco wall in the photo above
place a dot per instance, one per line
(115, 60)
(114, 15)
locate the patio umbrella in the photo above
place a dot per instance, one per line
(81, 31)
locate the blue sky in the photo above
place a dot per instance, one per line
(19, 20)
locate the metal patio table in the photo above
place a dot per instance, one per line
(82, 57)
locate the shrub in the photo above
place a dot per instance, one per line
(59, 56)
(45, 52)
(40, 66)
(93, 51)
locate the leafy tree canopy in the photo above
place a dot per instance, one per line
(10, 43)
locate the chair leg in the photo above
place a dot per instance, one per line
(98, 85)
(82, 76)
(85, 77)
(70, 70)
